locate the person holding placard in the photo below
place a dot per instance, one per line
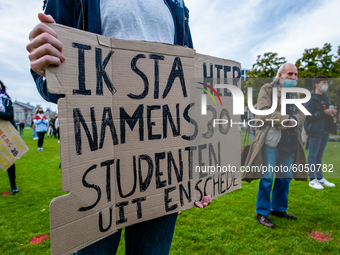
(6, 113)
(161, 21)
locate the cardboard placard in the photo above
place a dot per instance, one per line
(12, 147)
(132, 135)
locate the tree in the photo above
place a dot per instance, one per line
(317, 61)
(267, 66)
(313, 62)
(264, 70)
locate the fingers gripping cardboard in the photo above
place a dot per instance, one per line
(132, 135)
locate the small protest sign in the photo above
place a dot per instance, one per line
(12, 147)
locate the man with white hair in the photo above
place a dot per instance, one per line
(276, 149)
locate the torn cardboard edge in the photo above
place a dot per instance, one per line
(76, 219)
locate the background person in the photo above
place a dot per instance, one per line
(156, 20)
(287, 151)
(50, 128)
(318, 130)
(34, 133)
(56, 126)
(21, 127)
(6, 113)
(41, 121)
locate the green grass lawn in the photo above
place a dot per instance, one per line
(227, 226)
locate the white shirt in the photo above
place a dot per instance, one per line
(148, 20)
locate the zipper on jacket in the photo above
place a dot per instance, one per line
(184, 18)
(82, 14)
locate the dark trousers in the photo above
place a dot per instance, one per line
(11, 175)
(153, 237)
(41, 136)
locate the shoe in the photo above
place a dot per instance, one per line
(264, 220)
(58, 141)
(283, 215)
(326, 183)
(41, 148)
(315, 184)
(14, 190)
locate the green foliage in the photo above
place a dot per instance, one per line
(334, 93)
(314, 62)
(264, 70)
(317, 61)
(267, 66)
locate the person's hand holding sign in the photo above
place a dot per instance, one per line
(44, 47)
(205, 202)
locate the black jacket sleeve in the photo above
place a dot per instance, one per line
(317, 112)
(9, 114)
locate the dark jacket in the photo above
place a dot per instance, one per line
(315, 124)
(9, 113)
(85, 15)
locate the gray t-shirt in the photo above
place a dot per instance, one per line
(149, 20)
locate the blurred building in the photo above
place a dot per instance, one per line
(49, 113)
(26, 112)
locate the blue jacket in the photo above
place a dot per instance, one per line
(315, 124)
(41, 123)
(85, 15)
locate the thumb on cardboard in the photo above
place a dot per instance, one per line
(45, 18)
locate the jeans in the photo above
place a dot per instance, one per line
(153, 237)
(279, 200)
(316, 149)
(34, 134)
(252, 136)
